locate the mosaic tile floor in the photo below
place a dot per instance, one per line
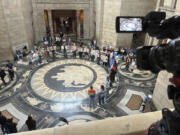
(59, 89)
(67, 80)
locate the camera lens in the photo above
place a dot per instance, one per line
(177, 102)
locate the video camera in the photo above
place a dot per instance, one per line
(157, 58)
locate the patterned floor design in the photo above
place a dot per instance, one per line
(59, 89)
(67, 80)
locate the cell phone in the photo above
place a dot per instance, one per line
(129, 24)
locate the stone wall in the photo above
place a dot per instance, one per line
(40, 5)
(109, 10)
(5, 47)
(134, 8)
(28, 20)
(16, 26)
(177, 11)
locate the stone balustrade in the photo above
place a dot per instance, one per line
(126, 125)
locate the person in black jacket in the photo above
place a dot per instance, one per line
(31, 123)
(11, 126)
(10, 70)
(2, 75)
(3, 123)
(113, 72)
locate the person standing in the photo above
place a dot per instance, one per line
(40, 56)
(92, 54)
(112, 61)
(36, 57)
(85, 51)
(2, 75)
(67, 26)
(105, 60)
(101, 96)
(108, 83)
(74, 49)
(53, 53)
(11, 126)
(60, 44)
(80, 50)
(61, 34)
(92, 93)
(70, 44)
(98, 57)
(3, 123)
(133, 65)
(113, 72)
(50, 41)
(29, 58)
(127, 62)
(65, 51)
(31, 123)
(10, 70)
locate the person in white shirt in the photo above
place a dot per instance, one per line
(117, 59)
(105, 60)
(36, 58)
(57, 39)
(92, 54)
(70, 44)
(80, 50)
(30, 58)
(74, 49)
(133, 65)
(86, 52)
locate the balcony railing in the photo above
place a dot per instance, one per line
(126, 125)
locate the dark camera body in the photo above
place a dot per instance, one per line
(157, 58)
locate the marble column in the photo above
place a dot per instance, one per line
(78, 23)
(50, 23)
(55, 27)
(73, 25)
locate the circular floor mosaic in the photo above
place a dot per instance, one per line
(67, 80)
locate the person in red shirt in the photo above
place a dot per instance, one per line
(92, 93)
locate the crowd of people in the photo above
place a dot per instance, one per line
(107, 56)
(63, 44)
(8, 126)
(104, 89)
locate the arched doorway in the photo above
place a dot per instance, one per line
(66, 21)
